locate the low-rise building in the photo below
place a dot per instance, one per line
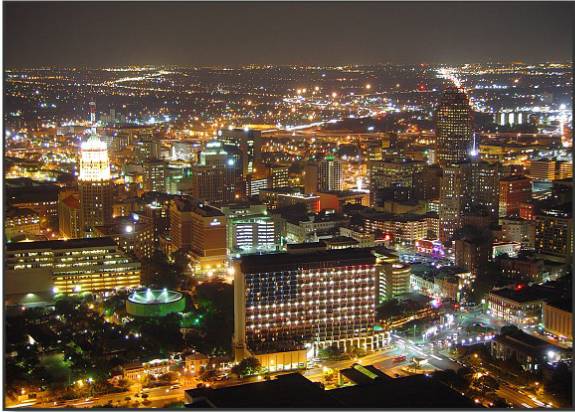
(21, 222)
(67, 266)
(558, 319)
(337, 199)
(196, 363)
(520, 305)
(529, 351)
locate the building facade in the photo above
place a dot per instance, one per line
(69, 266)
(286, 302)
(95, 186)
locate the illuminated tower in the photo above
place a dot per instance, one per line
(92, 113)
(456, 151)
(95, 185)
(329, 175)
(454, 129)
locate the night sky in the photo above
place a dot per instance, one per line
(326, 33)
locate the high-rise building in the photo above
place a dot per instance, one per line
(200, 229)
(554, 232)
(467, 188)
(454, 129)
(249, 143)
(513, 190)
(310, 178)
(278, 176)
(454, 198)
(95, 185)
(158, 212)
(146, 147)
(485, 188)
(391, 173)
(329, 175)
(472, 253)
(92, 113)
(69, 214)
(428, 183)
(134, 235)
(68, 266)
(155, 175)
(250, 229)
(216, 178)
(286, 302)
(393, 280)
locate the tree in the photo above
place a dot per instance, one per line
(560, 385)
(248, 366)
(331, 352)
(509, 330)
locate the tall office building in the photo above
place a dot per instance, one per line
(513, 190)
(485, 188)
(216, 179)
(454, 129)
(278, 176)
(155, 175)
(310, 178)
(249, 143)
(392, 173)
(454, 198)
(330, 176)
(92, 113)
(69, 214)
(200, 229)
(95, 185)
(467, 188)
(312, 299)
(146, 147)
(428, 183)
(554, 232)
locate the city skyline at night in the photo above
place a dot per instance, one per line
(304, 205)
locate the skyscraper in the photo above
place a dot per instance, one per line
(95, 185)
(216, 178)
(250, 144)
(92, 113)
(155, 175)
(513, 190)
(329, 175)
(454, 198)
(454, 128)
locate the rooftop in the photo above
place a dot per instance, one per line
(286, 261)
(522, 294)
(188, 204)
(62, 244)
(295, 391)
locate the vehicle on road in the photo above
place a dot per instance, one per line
(398, 359)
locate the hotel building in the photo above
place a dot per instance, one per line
(293, 303)
(199, 229)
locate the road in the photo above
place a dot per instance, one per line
(157, 397)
